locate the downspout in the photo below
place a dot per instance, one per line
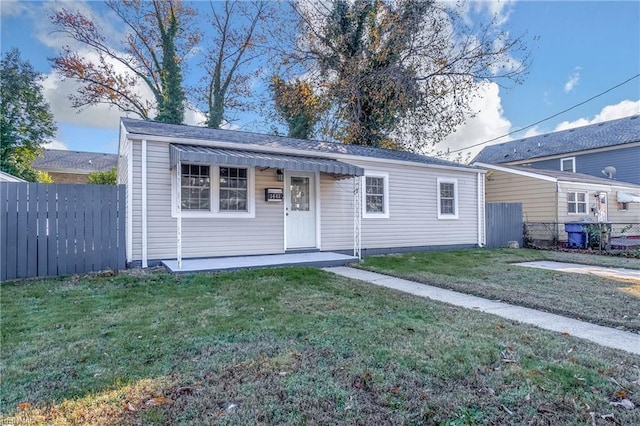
(179, 214)
(144, 203)
(481, 220)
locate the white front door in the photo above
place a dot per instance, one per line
(300, 210)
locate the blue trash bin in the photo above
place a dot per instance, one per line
(577, 238)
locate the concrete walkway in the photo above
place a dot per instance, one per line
(611, 273)
(610, 337)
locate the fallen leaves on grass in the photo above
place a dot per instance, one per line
(158, 400)
(24, 405)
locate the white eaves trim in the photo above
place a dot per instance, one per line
(614, 183)
(262, 148)
(516, 172)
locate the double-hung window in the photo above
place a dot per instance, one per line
(577, 202)
(208, 190)
(568, 164)
(376, 195)
(447, 198)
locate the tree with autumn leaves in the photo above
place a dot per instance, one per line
(297, 104)
(381, 73)
(401, 72)
(149, 57)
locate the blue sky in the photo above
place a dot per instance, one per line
(579, 49)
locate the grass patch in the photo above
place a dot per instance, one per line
(287, 346)
(491, 274)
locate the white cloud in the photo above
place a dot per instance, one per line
(56, 90)
(489, 122)
(12, 8)
(501, 10)
(55, 144)
(573, 81)
(623, 109)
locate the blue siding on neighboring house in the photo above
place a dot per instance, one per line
(625, 160)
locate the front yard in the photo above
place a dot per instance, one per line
(490, 273)
(288, 346)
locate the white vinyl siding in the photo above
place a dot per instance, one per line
(412, 224)
(136, 204)
(413, 203)
(209, 236)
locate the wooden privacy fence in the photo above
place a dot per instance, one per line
(56, 229)
(504, 223)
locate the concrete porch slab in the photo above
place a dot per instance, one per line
(321, 259)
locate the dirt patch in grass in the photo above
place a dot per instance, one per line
(491, 274)
(288, 346)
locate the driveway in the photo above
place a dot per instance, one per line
(620, 274)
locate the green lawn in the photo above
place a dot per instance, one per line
(287, 346)
(491, 274)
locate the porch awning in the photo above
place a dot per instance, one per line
(628, 197)
(210, 155)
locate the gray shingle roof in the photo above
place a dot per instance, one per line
(75, 161)
(572, 177)
(600, 135)
(178, 131)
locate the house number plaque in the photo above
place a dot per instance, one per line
(273, 194)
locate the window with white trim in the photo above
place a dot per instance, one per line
(447, 198)
(196, 187)
(233, 189)
(568, 164)
(209, 190)
(577, 202)
(376, 195)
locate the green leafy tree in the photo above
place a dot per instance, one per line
(157, 37)
(43, 177)
(401, 72)
(108, 177)
(297, 105)
(25, 119)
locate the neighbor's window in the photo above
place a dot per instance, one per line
(233, 189)
(376, 195)
(577, 202)
(196, 187)
(623, 206)
(568, 164)
(447, 198)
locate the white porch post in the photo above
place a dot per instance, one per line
(357, 216)
(179, 212)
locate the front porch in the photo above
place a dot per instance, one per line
(319, 259)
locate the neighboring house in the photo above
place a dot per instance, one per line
(6, 177)
(607, 149)
(195, 192)
(550, 196)
(73, 166)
